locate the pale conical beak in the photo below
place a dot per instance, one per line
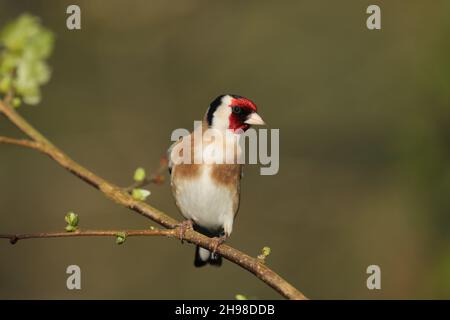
(255, 119)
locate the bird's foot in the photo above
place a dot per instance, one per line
(217, 242)
(183, 227)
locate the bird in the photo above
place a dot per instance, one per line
(207, 193)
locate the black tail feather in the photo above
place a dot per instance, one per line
(214, 260)
(198, 262)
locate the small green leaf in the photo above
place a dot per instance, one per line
(240, 297)
(120, 239)
(16, 102)
(24, 46)
(72, 219)
(266, 251)
(152, 228)
(8, 62)
(140, 194)
(5, 84)
(139, 175)
(70, 228)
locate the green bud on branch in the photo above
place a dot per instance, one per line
(16, 102)
(25, 46)
(140, 194)
(72, 221)
(265, 252)
(70, 228)
(139, 175)
(120, 239)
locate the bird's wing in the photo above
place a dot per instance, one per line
(169, 155)
(229, 175)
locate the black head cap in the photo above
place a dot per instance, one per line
(212, 108)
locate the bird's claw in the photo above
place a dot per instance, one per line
(183, 227)
(217, 242)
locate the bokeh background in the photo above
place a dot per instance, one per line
(364, 121)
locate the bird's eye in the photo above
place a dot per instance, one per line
(236, 110)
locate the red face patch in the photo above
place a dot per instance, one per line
(241, 108)
(244, 103)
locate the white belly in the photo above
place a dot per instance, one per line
(206, 203)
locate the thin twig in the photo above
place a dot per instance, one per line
(122, 197)
(20, 142)
(13, 238)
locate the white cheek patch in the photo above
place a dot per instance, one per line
(221, 119)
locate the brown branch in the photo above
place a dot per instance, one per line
(121, 196)
(20, 142)
(13, 238)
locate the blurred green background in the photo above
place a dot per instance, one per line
(364, 119)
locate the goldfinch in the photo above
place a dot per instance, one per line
(207, 192)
